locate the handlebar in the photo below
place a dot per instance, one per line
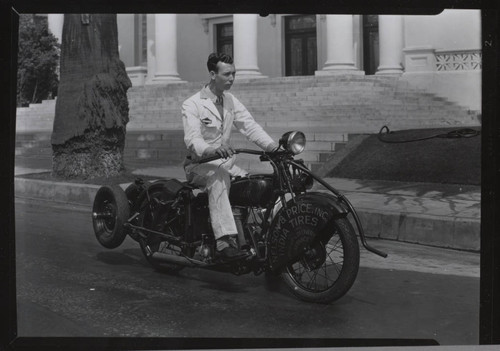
(236, 151)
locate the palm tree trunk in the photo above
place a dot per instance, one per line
(92, 107)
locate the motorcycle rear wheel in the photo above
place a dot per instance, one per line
(328, 269)
(110, 212)
(161, 218)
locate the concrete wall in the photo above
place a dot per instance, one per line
(193, 48)
(450, 30)
(270, 45)
(126, 39)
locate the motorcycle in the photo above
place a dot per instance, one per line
(284, 228)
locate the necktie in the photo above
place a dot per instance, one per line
(219, 103)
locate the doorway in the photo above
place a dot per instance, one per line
(300, 45)
(370, 44)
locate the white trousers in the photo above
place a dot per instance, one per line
(215, 178)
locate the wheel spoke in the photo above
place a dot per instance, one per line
(312, 280)
(325, 276)
(309, 279)
(322, 277)
(336, 246)
(336, 264)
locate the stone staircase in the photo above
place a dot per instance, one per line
(326, 109)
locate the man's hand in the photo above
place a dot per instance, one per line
(223, 151)
(272, 147)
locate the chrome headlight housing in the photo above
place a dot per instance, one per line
(294, 141)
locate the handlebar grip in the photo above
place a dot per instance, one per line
(208, 159)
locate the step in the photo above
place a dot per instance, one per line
(324, 108)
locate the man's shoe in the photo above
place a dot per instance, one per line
(231, 253)
(227, 247)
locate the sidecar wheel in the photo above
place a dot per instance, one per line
(328, 269)
(109, 213)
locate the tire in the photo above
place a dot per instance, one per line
(159, 217)
(333, 267)
(110, 212)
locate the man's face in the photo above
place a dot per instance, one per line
(224, 77)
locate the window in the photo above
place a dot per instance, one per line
(224, 38)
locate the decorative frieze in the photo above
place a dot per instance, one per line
(458, 60)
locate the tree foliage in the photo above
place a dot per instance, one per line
(37, 60)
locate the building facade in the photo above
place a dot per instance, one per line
(439, 53)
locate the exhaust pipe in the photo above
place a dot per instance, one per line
(180, 260)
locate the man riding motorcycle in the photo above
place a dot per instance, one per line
(207, 119)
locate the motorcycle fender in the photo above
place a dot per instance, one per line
(171, 187)
(296, 226)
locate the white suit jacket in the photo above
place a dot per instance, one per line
(204, 127)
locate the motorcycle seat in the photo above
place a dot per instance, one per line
(189, 185)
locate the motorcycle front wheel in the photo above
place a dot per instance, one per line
(328, 268)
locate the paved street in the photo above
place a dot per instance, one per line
(68, 285)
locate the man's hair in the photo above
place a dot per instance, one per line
(215, 58)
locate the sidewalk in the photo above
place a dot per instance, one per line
(439, 215)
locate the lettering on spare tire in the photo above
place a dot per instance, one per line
(294, 228)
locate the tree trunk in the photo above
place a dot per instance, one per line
(92, 107)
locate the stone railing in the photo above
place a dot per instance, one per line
(428, 59)
(464, 60)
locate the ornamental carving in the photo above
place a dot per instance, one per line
(459, 61)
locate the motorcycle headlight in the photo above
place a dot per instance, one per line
(295, 142)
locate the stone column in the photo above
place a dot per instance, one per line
(245, 46)
(390, 29)
(165, 49)
(339, 46)
(55, 22)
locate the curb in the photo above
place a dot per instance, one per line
(439, 231)
(453, 232)
(57, 192)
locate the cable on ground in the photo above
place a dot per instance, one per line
(457, 133)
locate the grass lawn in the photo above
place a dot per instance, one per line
(437, 160)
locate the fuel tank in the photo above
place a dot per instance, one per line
(255, 190)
